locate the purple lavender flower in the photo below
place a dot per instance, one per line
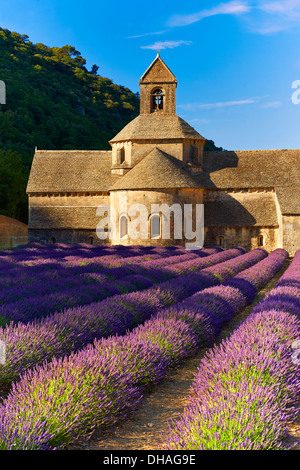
(243, 394)
(61, 398)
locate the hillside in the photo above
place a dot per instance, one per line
(53, 102)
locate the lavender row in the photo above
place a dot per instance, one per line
(61, 250)
(75, 265)
(245, 389)
(210, 309)
(29, 344)
(84, 287)
(27, 253)
(14, 266)
(32, 281)
(285, 297)
(33, 276)
(93, 287)
(58, 402)
(53, 269)
(25, 269)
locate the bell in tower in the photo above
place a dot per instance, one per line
(158, 89)
(157, 126)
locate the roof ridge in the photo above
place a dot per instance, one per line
(71, 151)
(252, 151)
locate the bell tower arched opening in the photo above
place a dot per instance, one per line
(157, 100)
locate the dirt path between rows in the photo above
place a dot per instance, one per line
(145, 430)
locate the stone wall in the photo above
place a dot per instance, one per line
(142, 148)
(72, 218)
(247, 237)
(68, 218)
(183, 149)
(169, 91)
(291, 233)
(147, 198)
(247, 218)
(12, 232)
(64, 236)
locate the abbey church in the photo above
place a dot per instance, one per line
(250, 198)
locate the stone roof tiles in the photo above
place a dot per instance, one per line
(155, 127)
(252, 168)
(289, 199)
(157, 170)
(240, 210)
(70, 171)
(88, 171)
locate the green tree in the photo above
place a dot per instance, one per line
(13, 180)
(94, 69)
(52, 102)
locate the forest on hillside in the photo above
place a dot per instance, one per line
(53, 102)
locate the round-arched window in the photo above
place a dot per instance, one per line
(155, 226)
(261, 241)
(123, 226)
(220, 241)
(52, 240)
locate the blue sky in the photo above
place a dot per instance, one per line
(235, 61)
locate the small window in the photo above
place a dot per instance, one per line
(261, 241)
(155, 226)
(194, 153)
(220, 241)
(120, 156)
(157, 100)
(123, 226)
(52, 240)
(91, 240)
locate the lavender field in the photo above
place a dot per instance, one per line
(87, 329)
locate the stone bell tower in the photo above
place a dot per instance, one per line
(157, 125)
(158, 89)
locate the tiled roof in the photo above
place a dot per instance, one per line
(88, 171)
(70, 171)
(157, 170)
(240, 209)
(289, 199)
(156, 126)
(252, 168)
